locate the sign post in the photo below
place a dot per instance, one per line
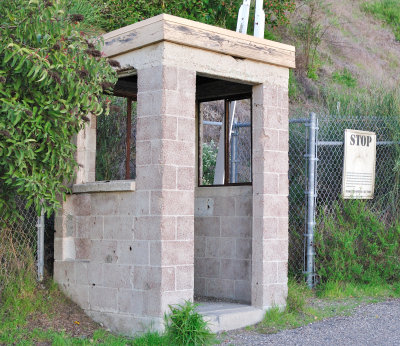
(359, 164)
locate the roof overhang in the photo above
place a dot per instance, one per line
(197, 35)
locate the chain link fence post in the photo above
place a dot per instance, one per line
(311, 157)
(40, 246)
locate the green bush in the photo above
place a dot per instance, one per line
(210, 152)
(51, 78)
(185, 326)
(353, 245)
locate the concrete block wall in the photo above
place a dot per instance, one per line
(99, 261)
(270, 194)
(223, 231)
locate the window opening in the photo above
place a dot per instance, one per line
(116, 140)
(224, 142)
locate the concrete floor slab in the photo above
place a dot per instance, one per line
(223, 316)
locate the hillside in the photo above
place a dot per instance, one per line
(350, 52)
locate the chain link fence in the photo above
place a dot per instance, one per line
(18, 244)
(328, 184)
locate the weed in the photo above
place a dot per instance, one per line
(185, 326)
(354, 246)
(344, 78)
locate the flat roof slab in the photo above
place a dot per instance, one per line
(197, 35)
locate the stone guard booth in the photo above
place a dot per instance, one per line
(125, 250)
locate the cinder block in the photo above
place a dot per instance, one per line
(133, 253)
(149, 103)
(104, 251)
(224, 206)
(186, 80)
(199, 286)
(243, 248)
(275, 295)
(150, 79)
(184, 277)
(173, 298)
(103, 299)
(243, 290)
(268, 138)
(177, 252)
(172, 203)
(130, 301)
(186, 129)
(212, 247)
(117, 276)
(203, 206)
(157, 127)
(174, 153)
(284, 140)
(237, 227)
(275, 250)
(282, 272)
(283, 228)
(64, 272)
(155, 228)
(207, 267)
(235, 269)
(283, 184)
(185, 227)
(79, 294)
(82, 249)
(81, 273)
(270, 273)
(170, 77)
(118, 228)
(82, 204)
(143, 148)
(104, 203)
(95, 274)
(270, 206)
(244, 205)
(199, 246)
(142, 201)
(96, 226)
(227, 247)
(157, 177)
(220, 288)
(127, 203)
(270, 183)
(207, 226)
(154, 278)
(185, 178)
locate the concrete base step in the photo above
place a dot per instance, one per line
(228, 316)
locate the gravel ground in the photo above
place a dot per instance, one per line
(374, 324)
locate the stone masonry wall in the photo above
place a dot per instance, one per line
(223, 221)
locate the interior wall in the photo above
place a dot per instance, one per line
(223, 249)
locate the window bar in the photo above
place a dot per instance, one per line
(128, 138)
(226, 123)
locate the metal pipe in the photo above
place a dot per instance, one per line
(299, 121)
(311, 197)
(40, 246)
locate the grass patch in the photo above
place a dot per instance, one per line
(388, 11)
(305, 306)
(23, 303)
(344, 78)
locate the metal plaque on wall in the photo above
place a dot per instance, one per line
(359, 164)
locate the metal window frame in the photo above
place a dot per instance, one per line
(227, 101)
